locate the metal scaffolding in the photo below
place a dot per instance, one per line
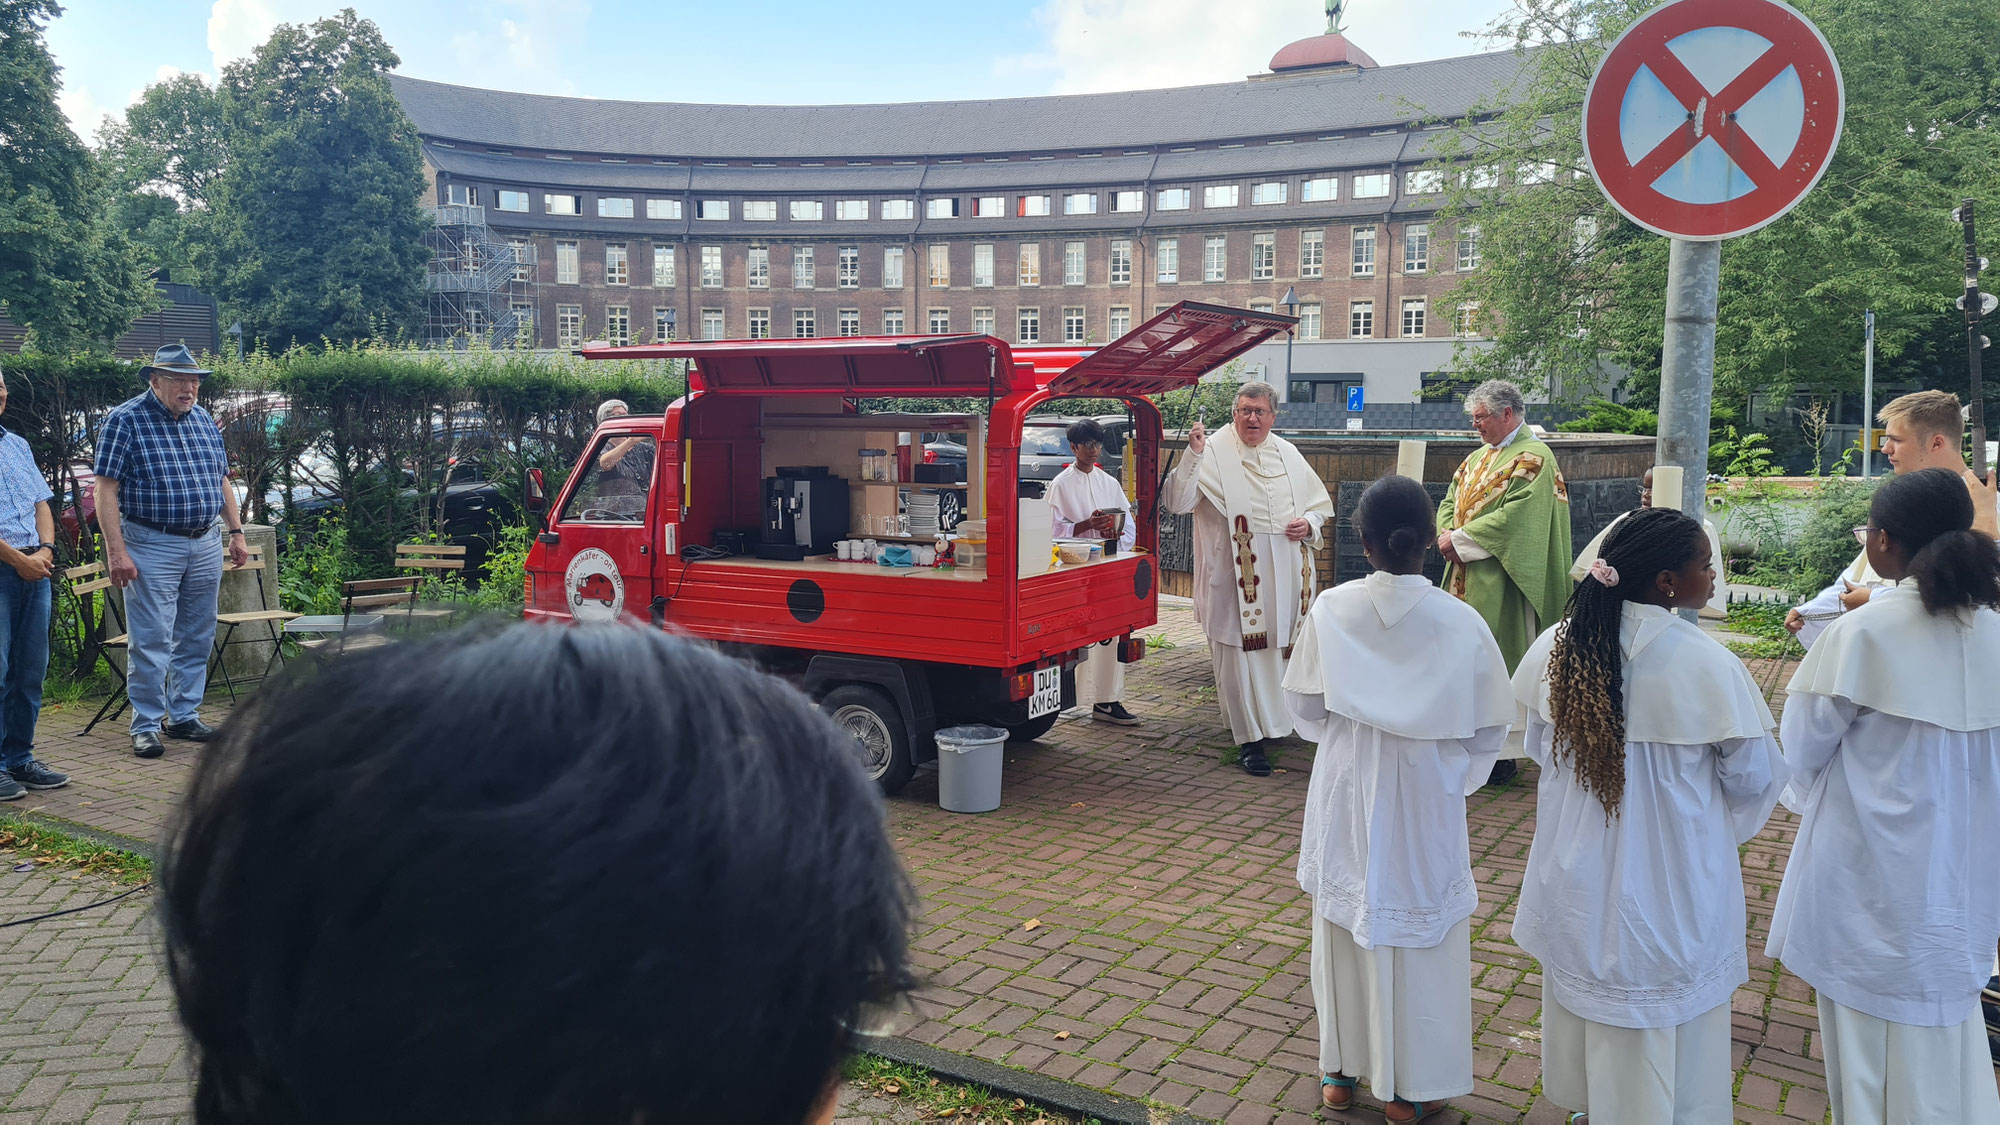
(480, 287)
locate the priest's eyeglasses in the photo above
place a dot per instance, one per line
(1861, 534)
(1252, 412)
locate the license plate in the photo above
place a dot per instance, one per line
(1047, 696)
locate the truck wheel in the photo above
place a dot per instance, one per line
(880, 740)
(1033, 728)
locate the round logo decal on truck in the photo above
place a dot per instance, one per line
(595, 589)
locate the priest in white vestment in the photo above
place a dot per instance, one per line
(1405, 691)
(1081, 500)
(1258, 514)
(1657, 762)
(1890, 907)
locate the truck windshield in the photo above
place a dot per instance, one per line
(617, 477)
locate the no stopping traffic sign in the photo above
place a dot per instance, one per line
(1710, 118)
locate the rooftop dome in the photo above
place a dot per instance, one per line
(1329, 50)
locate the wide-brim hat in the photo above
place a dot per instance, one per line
(175, 359)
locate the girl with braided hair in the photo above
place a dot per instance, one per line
(1892, 728)
(1405, 691)
(1657, 762)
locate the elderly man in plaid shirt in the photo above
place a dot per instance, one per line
(161, 484)
(26, 532)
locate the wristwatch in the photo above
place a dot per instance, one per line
(235, 531)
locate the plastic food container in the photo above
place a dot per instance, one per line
(968, 554)
(874, 464)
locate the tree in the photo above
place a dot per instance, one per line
(161, 163)
(319, 229)
(66, 273)
(1566, 279)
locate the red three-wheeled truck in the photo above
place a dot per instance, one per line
(719, 519)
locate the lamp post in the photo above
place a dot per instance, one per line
(236, 333)
(1291, 303)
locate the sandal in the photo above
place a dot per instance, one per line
(1340, 1087)
(1579, 1118)
(1425, 1111)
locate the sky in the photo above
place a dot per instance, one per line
(756, 51)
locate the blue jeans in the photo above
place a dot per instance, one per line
(24, 663)
(170, 612)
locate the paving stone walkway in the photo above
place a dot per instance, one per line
(1166, 960)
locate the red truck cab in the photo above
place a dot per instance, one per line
(650, 523)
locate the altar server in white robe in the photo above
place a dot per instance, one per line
(1890, 906)
(1657, 762)
(1405, 691)
(1258, 511)
(1081, 500)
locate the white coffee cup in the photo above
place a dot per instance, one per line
(844, 549)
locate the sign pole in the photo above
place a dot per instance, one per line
(1687, 367)
(1868, 404)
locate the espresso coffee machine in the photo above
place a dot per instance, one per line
(805, 512)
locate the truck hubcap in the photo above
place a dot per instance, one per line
(871, 737)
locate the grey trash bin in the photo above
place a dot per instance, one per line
(969, 761)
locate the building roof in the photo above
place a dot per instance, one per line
(1331, 49)
(1266, 106)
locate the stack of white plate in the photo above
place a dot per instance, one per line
(922, 512)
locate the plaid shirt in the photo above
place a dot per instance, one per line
(169, 470)
(21, 488)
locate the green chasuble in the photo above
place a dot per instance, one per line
(1513, 502)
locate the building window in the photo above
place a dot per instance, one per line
(899, 209)
(1031, 206)
(1121, 320)
(1262, 306)
(1264, 194)
(569, 326)
(1127, 201)
(982, 265)
(849, 322)
(513, 201)
(1225, 195)
(1413, 317)
(521, 259)
(524, 323)
(940, 271)
(663, 208)
(802, 267)
(711, 324)
(566, 259)
(1080, 203)
(1030, 270)
(760, 268)
(1263, 257)
(618, 325)
(1535, 172)
(760, 210)
(1309, 321)
(712, 210)
(1372, 186)
(1427, 182)
(1467, 321)
(850, 210)
(608, 208)
(1072, 325)
(1215, 258)
(990, 207)
(1312, 253)
(941, 208)
(1174, 199)
(461, 194)
(982, 322)
(663, 325)
(760, 324)
(1073, 263)
(850, 267)
(711, 270)
(1361, 319)
(1321, 190)
(1364, 251)
(1031, 327)
(892, 322)
(1468, 248)
(1416, 247)
(1121, 262)
(803, 323)
(1168, 257)
(663, 267)
(615, 268)
(563, 204)
(940, 322)
(892, 267)
(1483, 178)
(807, 210)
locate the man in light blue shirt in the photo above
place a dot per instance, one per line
(27, 530)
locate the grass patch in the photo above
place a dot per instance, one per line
(1764, 621)
(941, 1099)
(21, 842)
(1158, 642)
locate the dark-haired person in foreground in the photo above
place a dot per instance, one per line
(588, 876)
(1404, 689)
(1657, 762)
(1892, 728)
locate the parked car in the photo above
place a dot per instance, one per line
(1045, 448)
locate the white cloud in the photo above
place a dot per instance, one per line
(508, 45)
(236, 28)
(84, 111)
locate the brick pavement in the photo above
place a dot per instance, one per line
(1170, 958)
